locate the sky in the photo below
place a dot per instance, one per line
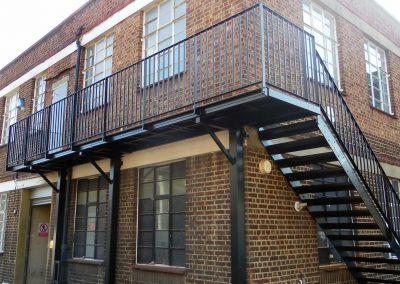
(20, 28)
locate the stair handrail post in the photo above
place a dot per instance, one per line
(105, 109)
(262, 42)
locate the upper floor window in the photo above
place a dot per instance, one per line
(377, 77)
(161, 216)
(3, 207)
(321, 25)
(90, 218)
(10, 115)
(164, 25)
(38, 100)
(98, 65)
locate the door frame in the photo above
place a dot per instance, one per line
(33, 202)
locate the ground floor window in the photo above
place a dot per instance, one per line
(3, 207)
(90, 218)
(161, 215)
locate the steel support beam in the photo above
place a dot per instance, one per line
(111, 237)
(45, 179)
(59, 225)
(238, 239)
(98, 168)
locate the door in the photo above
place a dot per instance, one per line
(57, 113)
(38, 244)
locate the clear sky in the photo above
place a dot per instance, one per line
(23, 22)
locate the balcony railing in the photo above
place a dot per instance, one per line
(253, 49)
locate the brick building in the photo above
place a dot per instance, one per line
(204, 142)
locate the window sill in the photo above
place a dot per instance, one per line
(160, 268)
(392, 115)
(90, 261)
(333, 267)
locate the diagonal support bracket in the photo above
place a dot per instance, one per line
(45, 179)
(98, 168)
(221, 146)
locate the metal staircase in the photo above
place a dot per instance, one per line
(314, 162)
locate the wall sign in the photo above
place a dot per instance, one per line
(43, 230)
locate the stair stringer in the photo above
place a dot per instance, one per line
(359, 184)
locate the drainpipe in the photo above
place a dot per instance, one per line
(78, 58)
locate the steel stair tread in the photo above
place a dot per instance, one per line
(356, 237)
(359, 226)
(332, 187)
(289, 130)
(375, 270)
(297, 145)
(333, 200)
(340, 213)
(376, 280)
(306, 160)
(364, 248)
(315, 174)
(371, 259)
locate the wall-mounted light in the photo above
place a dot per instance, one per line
(265, 167)
(298, 206)
(20, 103)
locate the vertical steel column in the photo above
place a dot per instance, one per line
(113, 200)
(59, 225)
(238, 240)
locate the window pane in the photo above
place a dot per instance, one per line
(145, 255)
(145, 238)
(178, 221)
(162, 206)
(146, 222)
(80, 224)
(162, 173)
(101, 224)
(178, 203)
(180, 26)
(90, 238)
(161, 256)
(180, 10)
(91, 224)
(162, 222)
(92, 211)
(100, 252)
(165, 33)
(90, 251)
(162, 239)
(145, 206)
(150, 27)
(82, 198)
(178, 186)
(78, 250)
(102, 195)
(146, 191)
(178, 257)
(178, 239)
(147, 175)
(79, 238)
(152, 14)
(162, 187)
(92, 196)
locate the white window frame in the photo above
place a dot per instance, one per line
(89, 100)
(39, 97)
(173, 67)
(369, 44)
(3, 215)
(7, 119)
(325, 14)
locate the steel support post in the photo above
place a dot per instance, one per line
(238, 239)
(111, 237)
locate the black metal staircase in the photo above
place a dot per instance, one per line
(317, 175)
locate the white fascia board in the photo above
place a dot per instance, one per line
(86, 38)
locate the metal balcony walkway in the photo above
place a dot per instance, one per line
(254, 68)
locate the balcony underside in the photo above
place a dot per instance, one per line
(258, 108)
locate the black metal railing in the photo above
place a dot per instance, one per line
(253, 49)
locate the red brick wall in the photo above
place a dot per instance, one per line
(7, 258)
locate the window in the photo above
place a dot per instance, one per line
(164, 25)
(396, 185)
(377, 77)
(40, 88)
(3, 206)
(10, 115)
(161, 215)
(98, 65)
(321, 25)
(90, 218)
